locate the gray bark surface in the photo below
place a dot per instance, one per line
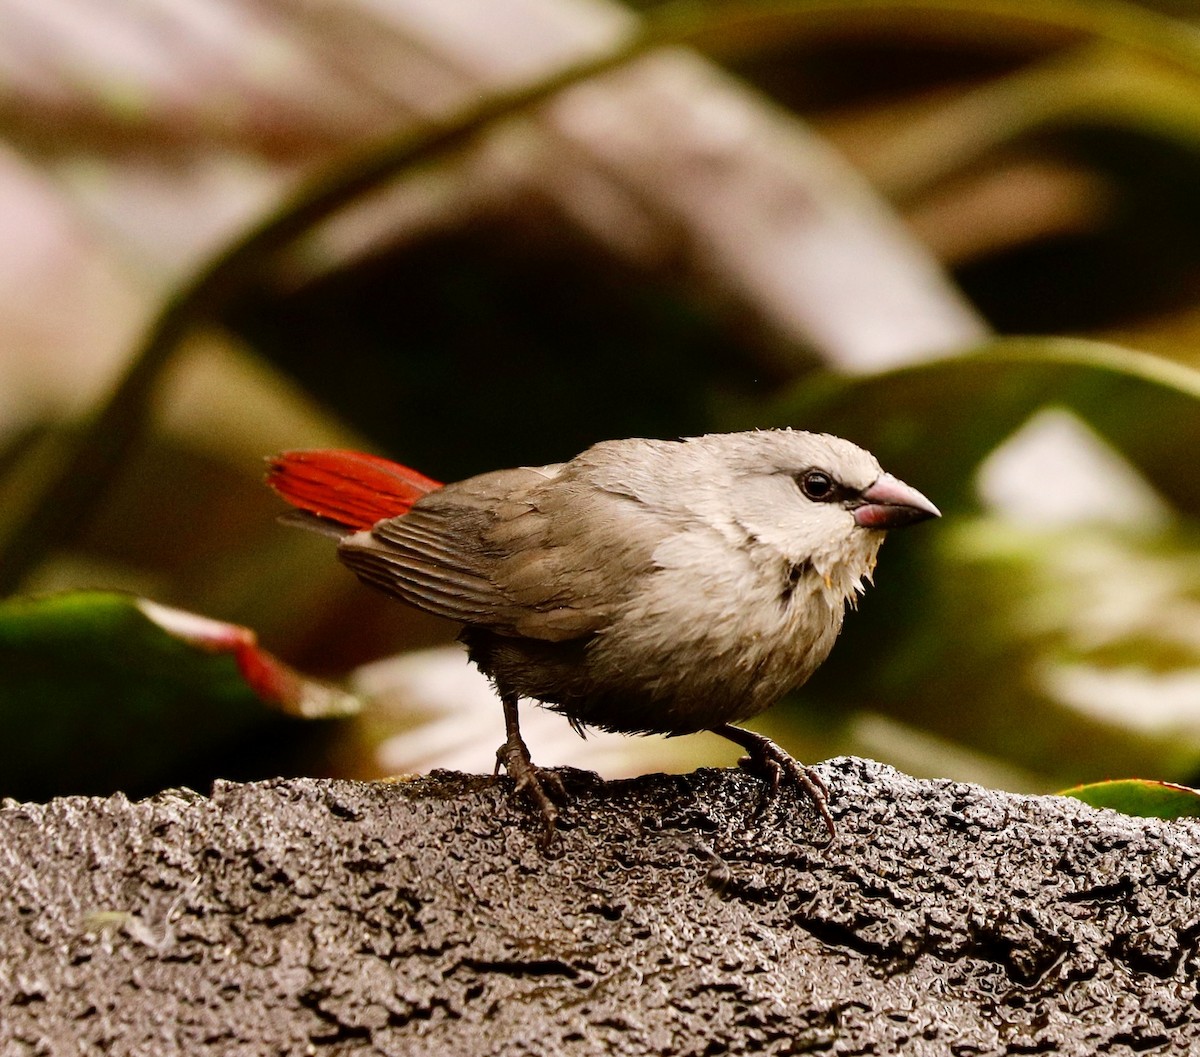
(319, 917)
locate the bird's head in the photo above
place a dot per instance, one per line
(815, 499)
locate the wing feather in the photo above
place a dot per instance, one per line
(525, 552)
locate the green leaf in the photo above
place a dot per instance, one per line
(740, 27)
(1140, 797)
(100, 691)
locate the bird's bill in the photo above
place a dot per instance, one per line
(890, 503)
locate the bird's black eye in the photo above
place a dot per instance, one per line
(817, 485)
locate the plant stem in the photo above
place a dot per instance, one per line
(95, 456)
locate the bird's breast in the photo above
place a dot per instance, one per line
(714, 635)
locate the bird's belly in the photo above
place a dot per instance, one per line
(725, 663)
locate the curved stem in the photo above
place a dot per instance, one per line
(102, 445)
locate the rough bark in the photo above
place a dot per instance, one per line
(676, 917)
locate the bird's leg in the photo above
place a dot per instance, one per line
(776, 765)
(513, 756)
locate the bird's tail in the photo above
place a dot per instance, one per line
(348, 488)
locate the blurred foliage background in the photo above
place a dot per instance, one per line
(475, 233)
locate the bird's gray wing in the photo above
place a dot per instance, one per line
(529, 552)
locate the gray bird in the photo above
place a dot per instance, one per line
(644, 586)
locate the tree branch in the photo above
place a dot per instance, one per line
(422, 918)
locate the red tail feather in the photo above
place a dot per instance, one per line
(349, 487)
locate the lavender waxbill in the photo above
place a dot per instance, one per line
(644, 586)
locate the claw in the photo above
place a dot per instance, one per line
(777, 766)
(513, 756)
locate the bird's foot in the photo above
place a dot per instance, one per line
(539, 785)
(779, 768)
